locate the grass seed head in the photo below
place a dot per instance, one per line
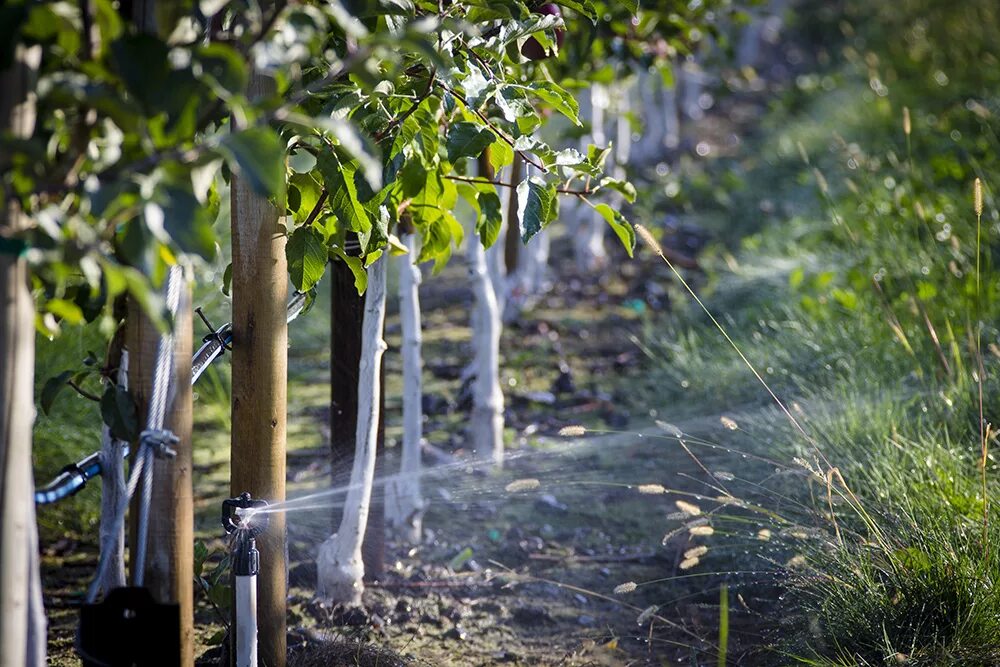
(627, 587)
(688, 563)
(729, 423)
(977, 196)
(572, 431)
(647, 614)
(702, 531)
(764, 535)
(669, 429)
(687, 508)
(907, 127)
(696, 552)
(648, 238)
(523, 485)
(651, 489)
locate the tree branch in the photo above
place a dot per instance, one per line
(565, 191)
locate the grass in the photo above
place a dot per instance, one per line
(898, 561)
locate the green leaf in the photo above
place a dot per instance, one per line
(222, 67)
(558, 98)
(534, 206)
(307, 257)
(357, 268)
(621, 227)
(467, 140)
(624, 187)
(119, 413)
(65, 310)
(259, 155)
(501, 155)
(343, 194)
(53, 387)
(490, 216)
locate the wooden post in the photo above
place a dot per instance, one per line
(169, 567)
(346, 316)
(260, 378)
(22, 620)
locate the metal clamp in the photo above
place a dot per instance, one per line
(160, 442)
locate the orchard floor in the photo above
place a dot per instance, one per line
(520, 577)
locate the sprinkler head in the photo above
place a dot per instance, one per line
(242, 518)
(243, 514)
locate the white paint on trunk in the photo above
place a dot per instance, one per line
(588, 243)
(404, 505)
(671, 113)
(495, 253)
(485, 430)
(113, 490)
(339, 565)
(246, 621)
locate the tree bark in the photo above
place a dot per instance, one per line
(22, 618)
(260, 380)
(169, 567)
(512, 242)
(404, 501)
(340, 567)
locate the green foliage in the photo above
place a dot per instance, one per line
(374, 108)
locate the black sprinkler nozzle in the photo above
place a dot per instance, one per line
(246, 558)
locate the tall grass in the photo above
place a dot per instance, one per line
(871, 317)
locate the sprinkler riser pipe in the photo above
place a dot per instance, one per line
(246, 620)
(246, 558)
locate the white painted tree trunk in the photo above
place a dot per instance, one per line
(404, 504)
(22, 616)
(691, 88)
(485, 430)
(671, 113)
(339, 565)
(623, 132)
(112, 535)
(650, 147)
(495, 254)
(588, 243)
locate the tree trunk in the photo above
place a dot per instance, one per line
(339, 563)
(22, 618)
(169, 567)
(113, 489)
(260, 380)
(671, 112)
(346, 317)
(496, 254)
(403, 498)
(512, 242)
(589, 242)
(485, 430)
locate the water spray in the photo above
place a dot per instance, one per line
(243, 519)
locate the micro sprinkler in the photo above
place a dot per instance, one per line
(242, 518)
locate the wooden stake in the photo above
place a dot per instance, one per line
(169, 567)
(260, 378)
(22, 620)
